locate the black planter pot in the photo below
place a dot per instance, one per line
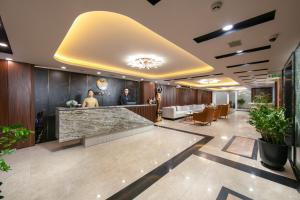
(273, 156)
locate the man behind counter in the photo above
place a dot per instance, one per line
(124, 99)
(90, 101)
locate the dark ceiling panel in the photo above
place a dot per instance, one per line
(269, 16)
(192, 77)
(250, 63)
(257, 70)
(240, 72)
(244, 52)
(261, 75)
(4, 40)
(153, 2)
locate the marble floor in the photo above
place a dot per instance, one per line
(174, 160)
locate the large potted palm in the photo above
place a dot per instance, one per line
(272, 125)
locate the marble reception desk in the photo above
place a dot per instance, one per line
(83, 123)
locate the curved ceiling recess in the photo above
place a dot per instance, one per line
(209, 82)
(106, 41)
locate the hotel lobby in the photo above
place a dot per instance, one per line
(149, 99)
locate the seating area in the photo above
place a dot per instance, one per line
(201, 114)
(177, 112)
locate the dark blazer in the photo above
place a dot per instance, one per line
(124, 99)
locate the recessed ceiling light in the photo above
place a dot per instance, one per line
(98, 72)
(142, 79)
(3, 44)
(63, 67)
(123, 76)
(227, 27)
(239, 51)
(8, 59)
(209, 81)
(155, 81)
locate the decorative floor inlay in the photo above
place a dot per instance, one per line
(242, 146)
(228, 194)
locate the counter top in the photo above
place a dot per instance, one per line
(103, 107)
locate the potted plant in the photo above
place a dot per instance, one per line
(241, 102)
(272, 125)
(9, 136)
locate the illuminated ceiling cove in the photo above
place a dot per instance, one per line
(209, 82)
(105, 41)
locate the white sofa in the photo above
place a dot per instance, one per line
(176, 112)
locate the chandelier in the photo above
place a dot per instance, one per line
(209, 81)
(145, 61)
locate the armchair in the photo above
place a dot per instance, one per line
(217, 112)
(205, 117)
(224, 110)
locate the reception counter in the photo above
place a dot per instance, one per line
(98, 125)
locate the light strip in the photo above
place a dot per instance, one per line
(93, 65)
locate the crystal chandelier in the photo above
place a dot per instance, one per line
(145, 61)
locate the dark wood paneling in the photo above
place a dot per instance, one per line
(172, 96)
(278, 93)
(186, 96)
(262, 91)
(147, 111)
(204, 97)
(3, 93)
(168, 96)
(147, 90)
(21, 97)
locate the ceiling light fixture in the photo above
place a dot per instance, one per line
(227, 27)
(239, 51)
(10, 59)
(63, 67)
(142, 79)
(3, 44)
(145, 61)
(209, 81)
(123, 76)
(98, 73)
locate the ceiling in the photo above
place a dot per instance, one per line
(113, 38)
(36, 29)
(208, 82)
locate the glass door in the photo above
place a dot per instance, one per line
(297, 111)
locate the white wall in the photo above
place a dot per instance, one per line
(220, 98)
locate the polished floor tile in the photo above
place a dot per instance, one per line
(197, 167)
(199, 178)
(87, 173)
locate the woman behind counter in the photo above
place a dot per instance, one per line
(90, 101)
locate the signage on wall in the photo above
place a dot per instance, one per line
(102, 85)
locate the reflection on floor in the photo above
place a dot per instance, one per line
(163, 163)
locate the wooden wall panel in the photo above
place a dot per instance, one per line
(3, 93)
(21, 97)
(186, 96)
(204, 97)
(147, 90)
(168, 96)
(278, 93)
(147, 111)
